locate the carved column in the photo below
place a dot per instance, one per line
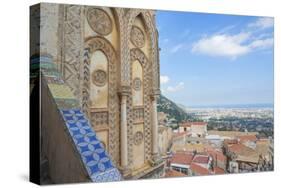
(124, 137)
(155, 152)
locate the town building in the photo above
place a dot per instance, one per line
(165, 139)
(197, 129)
(181, 161)
(247, 154)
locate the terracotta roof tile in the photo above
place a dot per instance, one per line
(199, 170)
(241, 149)
(246, 138)
(182, 158)
(216, 155)
(203, 159)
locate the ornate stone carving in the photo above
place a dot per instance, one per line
(99, 43)
(99, 119)
(137, 37)
(137, 54)
(72, 34)
(138, 138)
(137, 84)
(138, 114)
(99, 21)
(99, 77)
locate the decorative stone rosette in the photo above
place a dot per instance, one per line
(99, 77)
(138, 137)
(137, 37)
(99, 21)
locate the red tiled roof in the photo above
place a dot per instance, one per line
(241, 149)
(216, 155)
(246, 138)
(230, 141)
(218, 170)
(182, 158)
(173, 173)
(199, 170)
(203, 159)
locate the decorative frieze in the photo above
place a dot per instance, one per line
(99, 119)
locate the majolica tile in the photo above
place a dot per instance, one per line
(94, 156)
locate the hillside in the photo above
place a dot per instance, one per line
(172, 109)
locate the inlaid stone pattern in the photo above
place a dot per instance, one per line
(99, 77)
(99, 21)
(138, 138)
(99, 118)
(137, 84)
(137, 37)
(138, 114)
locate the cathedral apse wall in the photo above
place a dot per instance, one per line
(109, 58)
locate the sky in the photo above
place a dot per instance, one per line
(216, 59)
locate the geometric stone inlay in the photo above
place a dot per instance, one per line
(99, 118)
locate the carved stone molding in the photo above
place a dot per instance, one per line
(125, 90)
(137, 54)
(70, 41)
(91, 45)
(137, 37)
(99, 119)
(150, 28)
(99, 21)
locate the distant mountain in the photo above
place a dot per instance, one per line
(172, 109)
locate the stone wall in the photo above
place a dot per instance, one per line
(64, 164)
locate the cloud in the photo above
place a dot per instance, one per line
(164, 79)
(262, 23)
(262, 44)
(178, 87)
(177, 48)
(231, 46)
(222, 45)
